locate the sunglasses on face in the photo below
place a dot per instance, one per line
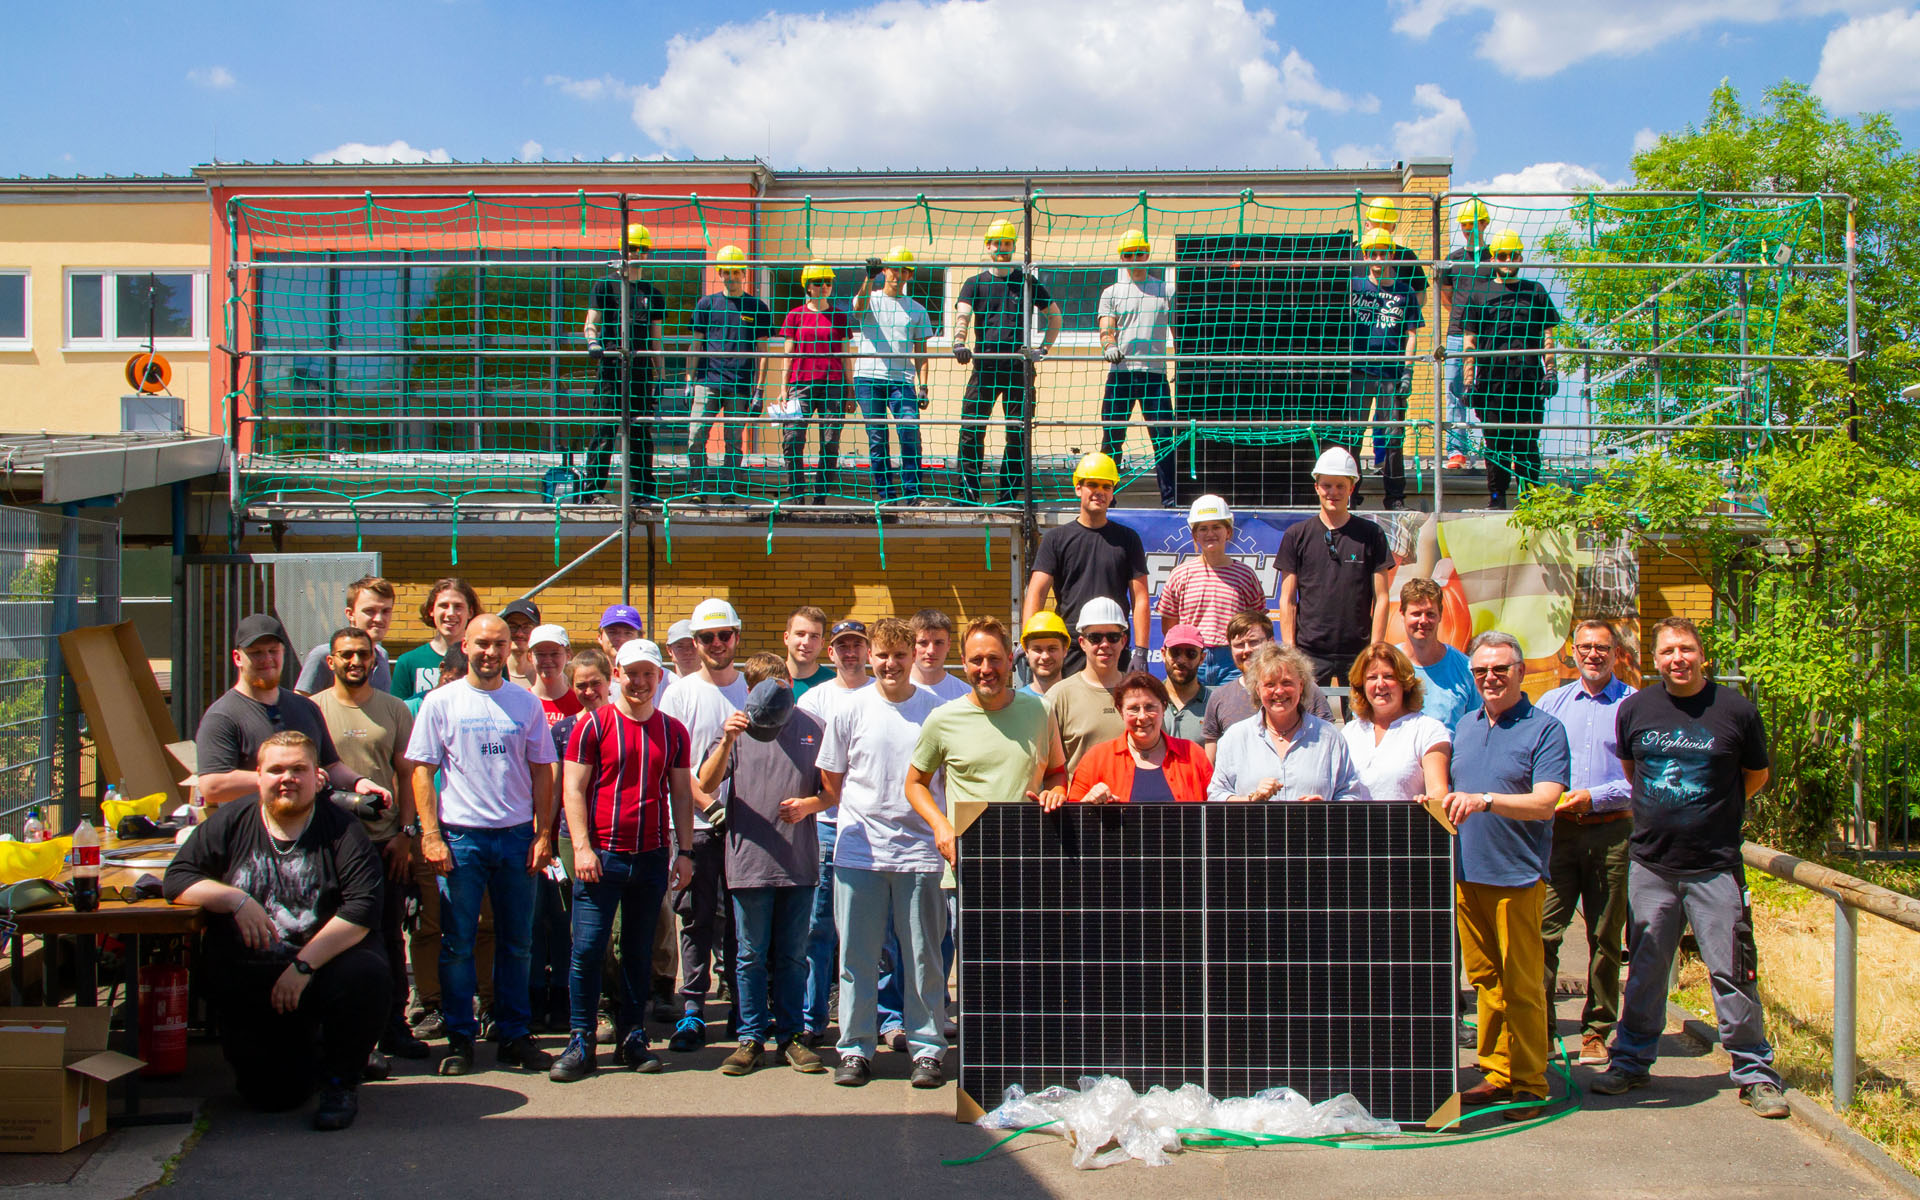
(1102, 639)
(1134, 256)
(1182, 652)
(715, 636)
(273, 715)
(1506, 256)
(1499, 672)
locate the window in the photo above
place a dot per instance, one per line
(929, 287)
(16, 292)
(1077, 292)
(118, 310)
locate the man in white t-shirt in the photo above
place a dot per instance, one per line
(890, 374)
(488, 831)
(702, 702)
(1135, 339)
(848, 648)
(932, 638)
(887, 869)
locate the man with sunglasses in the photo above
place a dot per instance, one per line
(1092, 556)
(1082, 704)
(702, 702)
(1512, 319)
(1334, 565)
(1136, 337)
(633, 363)
(816, 335)
(728, 325)
(1510, 767)
(1002, 296)
(890, 375)
(234, 727)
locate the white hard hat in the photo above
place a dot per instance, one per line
(638, 650)
(713, 613)
(548, 635)
(1209, 508)
(1101, 610)
(1336, 461)
(679, 630)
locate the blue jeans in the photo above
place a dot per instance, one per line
(823, 942)
(493, 863)
(1459, 416)
(864, 902)
(770, 959)
(889, 405)
(1148, 387)
(1216, 666)
(633, 886)
(551, 950)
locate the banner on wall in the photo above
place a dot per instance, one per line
(1528, 584)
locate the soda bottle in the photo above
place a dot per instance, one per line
(86, 867)
(35, 829)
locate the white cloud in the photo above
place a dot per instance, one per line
(1542, 179)
(590, 89)
(531, 151)
(1645, 140)
(1442, 131)
(1351, 155)
(1868, 63)
(217, 79)
(988, 83)
(1529, 39)
(392, 152)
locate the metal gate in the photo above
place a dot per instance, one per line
(307, 592)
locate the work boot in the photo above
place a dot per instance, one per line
(576, 1062)
(853, 1071)
(377, 1067)
(795, 1054)
(458, 1060)
(634, 1054)
(523, 1053)
(926, 1072)
(1617, 1082)
(399, 1042)
(339, 1105)
(743, 1061)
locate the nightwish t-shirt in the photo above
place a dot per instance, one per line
(1689, 789)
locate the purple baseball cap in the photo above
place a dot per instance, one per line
(621, 614)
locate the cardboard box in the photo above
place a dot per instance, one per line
(54, 1071)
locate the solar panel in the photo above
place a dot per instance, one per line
(1235, 946)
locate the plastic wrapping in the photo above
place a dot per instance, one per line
(1108, 1122)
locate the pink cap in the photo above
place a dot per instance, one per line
(1182, 635)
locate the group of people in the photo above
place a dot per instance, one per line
(872, 353)
(777, 825)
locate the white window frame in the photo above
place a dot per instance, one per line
(109, 315)
(25, 341)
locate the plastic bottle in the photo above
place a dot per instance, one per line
(35, 829)
(86, 867)
(112, 797)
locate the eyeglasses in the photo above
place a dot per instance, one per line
(717, 635)
(1103, 639)
(1499, 672)
(273, 715)
(1592, 648)
(1327, 535)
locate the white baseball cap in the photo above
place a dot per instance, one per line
(713, 613)
(1209, 508)
(679, 631)
(548, 635)
(638, 650)
(1101, 610)
(1336, 461)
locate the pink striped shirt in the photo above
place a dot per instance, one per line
(1205, 598)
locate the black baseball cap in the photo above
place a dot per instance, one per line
(257, 627)
(524, 608)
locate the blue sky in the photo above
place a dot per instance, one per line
(1545, 94)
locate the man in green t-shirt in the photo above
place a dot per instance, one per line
(450, 604)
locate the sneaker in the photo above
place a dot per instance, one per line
(1456, 462)
(431, 1027)
(521, 1052)
(634, 1054)
(743, 1061)
(458, 1059)
(794, 1053)
(853, 1071)
(1593, 1051)
(1766, 1100)
(895, 1040)
(1497, 502)
(576, 1062)
(339, 1105)
(926, 1072)
(689, 1035)
(400, 1042)
(1615, 1082)
(487, 1031)
(377, 1068)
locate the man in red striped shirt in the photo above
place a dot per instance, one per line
(625, 763)
(1209, 589)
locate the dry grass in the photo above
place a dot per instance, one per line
(1794, 930)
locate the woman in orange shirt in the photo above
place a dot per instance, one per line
(1144, 764)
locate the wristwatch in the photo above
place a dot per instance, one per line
(687, 854)
(412, 829)
(1486, 800)
(302, 966)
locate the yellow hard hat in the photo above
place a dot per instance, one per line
(1045, 623)
(814, 271)
(1506, 241)
(1002, 230)
(1472, 213)
(1378, 239)
(1132, 242)
(899, 256)
(1098, 468)
(731, 254)
(1382, 211)
(638, 238)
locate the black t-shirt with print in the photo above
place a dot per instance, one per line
(1690, 754)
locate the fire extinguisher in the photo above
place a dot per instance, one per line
(163, 1018)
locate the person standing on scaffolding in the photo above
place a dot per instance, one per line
(1382, 215)
(816, 334)
(725, 324)
(1135, 340)
(633, 362)
(1000, 297)
(1459, 281)
(1386, 311)
(1512, 322)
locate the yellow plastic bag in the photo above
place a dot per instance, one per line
(33, 860)
(146, 806)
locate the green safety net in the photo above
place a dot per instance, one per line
(406, 347)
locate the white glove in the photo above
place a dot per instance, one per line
(1114, 354)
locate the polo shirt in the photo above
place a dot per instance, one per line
(1525, 747)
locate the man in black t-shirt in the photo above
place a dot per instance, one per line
(631, 359)
(1000, 298)
(727, 326)
(1696, 752)
(1510, 314)
(1091, 556)
(1334, 565)
(291, 888)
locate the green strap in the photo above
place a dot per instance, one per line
(967, 1162)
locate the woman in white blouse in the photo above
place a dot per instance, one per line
(1400, 752)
